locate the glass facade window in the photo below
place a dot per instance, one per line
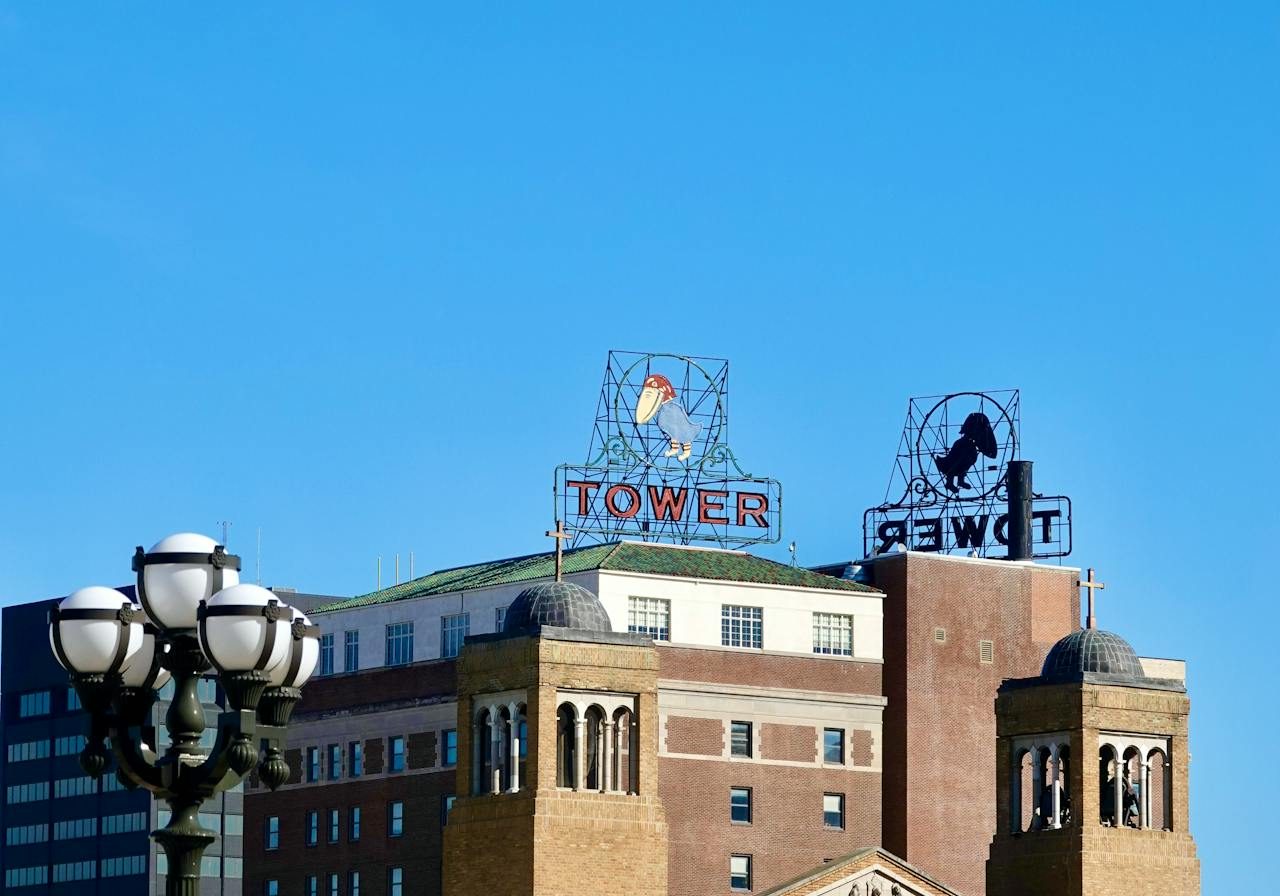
(79, 786)
(73, 699)
(128, 823)
(833, 810)
(326, 654)
(335, 761)
(399, 643)
(34, 704)
(69, 746)
(740, 872)
(833, 634)
(395, 752)
(395, 818)
(739, 738)
(353, 824)
(741, 626)
(649, 616)
(21, 835)
(26, 877)
(273, 832)
(351, 650)
(26, 793)
(313, 764)
(451, 747)
(833, 745)
(65, 872)
(395, 881)
(313, 827)
(453, 630)
(232, 867)
(334, 819)
(355, 759)
(32, 749)
(740, 805)
(76, 828)
(121, 866)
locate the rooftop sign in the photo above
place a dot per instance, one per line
(660, 467)
(949, 490)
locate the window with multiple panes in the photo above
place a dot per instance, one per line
(833, 634)
(333, 883)
(451, 747)
(355, 759)
(741, 626)
(333, 825)
(23, 834)
(833, 810)
(353, 883)
(32, 749)
(313, 763)
(395, 881)
(453, 630)
(395, 818)
(326, 654)
(395, 752)
(272, 888)
(273, 832)
(740, 872)
(740, 805)
(833, 745)
(739, 738)
(649, 616)
(335, 761)
(351, 649)
(399, 643)
(499, 618)
(446, 805)
(313, 827)
(73, 699)
(313, 885)
(353, 824)
(33, 704)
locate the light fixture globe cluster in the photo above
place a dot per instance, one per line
(193, 614)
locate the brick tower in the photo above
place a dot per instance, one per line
(1092, 777)
(558, 753)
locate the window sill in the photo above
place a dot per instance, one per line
(741, 824)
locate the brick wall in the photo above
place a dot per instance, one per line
(704, 737)
(794, 743)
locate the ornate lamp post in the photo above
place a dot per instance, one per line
(194, 615)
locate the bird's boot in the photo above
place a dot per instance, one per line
(673, 450)
(688, 449)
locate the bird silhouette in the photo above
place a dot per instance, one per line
(976, 436)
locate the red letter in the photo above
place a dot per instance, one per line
(584, 494)
(670, 505)
(757, 513)
(611, 501)
(705, 506)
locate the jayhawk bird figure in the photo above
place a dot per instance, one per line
(975, 435)
(659, 397)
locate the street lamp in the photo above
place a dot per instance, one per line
(195, 614)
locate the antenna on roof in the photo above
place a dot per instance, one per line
(792, 548)
(226, 525)
(379, 582)
(411, 565)
(259, 574)
(397, 567)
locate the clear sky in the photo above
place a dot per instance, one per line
(350, 275)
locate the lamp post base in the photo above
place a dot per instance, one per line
(184, 843)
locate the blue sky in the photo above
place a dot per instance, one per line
(350, 276)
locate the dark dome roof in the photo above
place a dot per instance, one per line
(1091, 650)
(561, 604)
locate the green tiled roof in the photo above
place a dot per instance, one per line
(622, 556)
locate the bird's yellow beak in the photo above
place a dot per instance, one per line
(647, 406)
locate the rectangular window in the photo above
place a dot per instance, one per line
(833, 745)
(273, 832)
(833, 810)
(333, 825)
(395, 749)
(739, 738)
(395, 818)
(313, 764)
(353, 824)
(451, 747)
(326, 654)
(741, 626)
(313, 827)
(355, 759)
(395, 882)
(313, 885)
(499, 618)
(353, 883)
(740, 872)
(73, 699)
(453, 630)
(33, 749)
(34, 704)
(399, 643)
(333, 884)
(351, 649)
(335, 761)
(649, 616)
(740, 805)
(833, 634)
(446, 805)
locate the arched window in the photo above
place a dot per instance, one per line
(566, 745)
(502, 756)
(481, 753)
(1109, 786)
(1021, 808)
(623, 751)
(1160, 781)
(1131, 788)
(1063, 785)
(522, 733)
(1043, 785)
(593, 732)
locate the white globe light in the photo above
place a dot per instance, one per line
(300, 661)
(174, 590)
(93, 645)
(237, 640)
(135, 672)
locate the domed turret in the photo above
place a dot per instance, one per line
(1091, 650)
(560, 604)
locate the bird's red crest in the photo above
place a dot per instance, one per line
(662, 384)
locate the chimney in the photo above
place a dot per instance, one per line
(1020, 495)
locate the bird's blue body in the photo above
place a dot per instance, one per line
(675, 423)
